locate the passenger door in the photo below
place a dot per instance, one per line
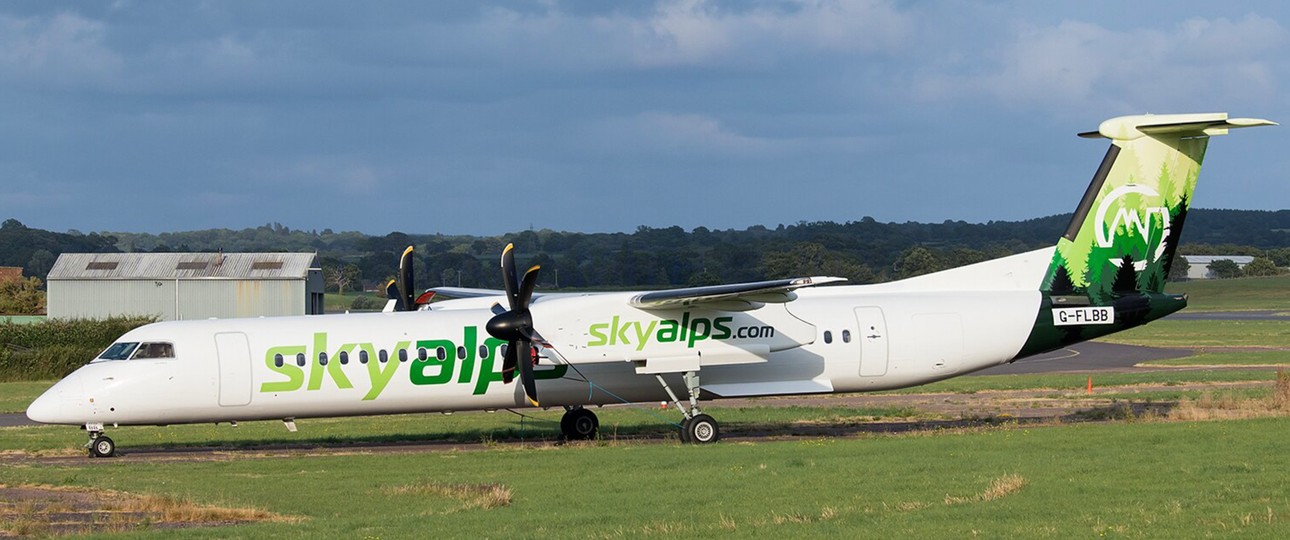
(234, 369)
(873, 341)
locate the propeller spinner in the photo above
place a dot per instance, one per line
(515, 326)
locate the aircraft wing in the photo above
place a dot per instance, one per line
(465, 292)
(734, 297)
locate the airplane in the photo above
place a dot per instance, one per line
(808, 335)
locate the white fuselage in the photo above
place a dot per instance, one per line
(829, 339)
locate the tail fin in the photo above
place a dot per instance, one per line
(1108, 272)
(1125, 231)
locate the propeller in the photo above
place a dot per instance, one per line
(401, 290)
(515, 325)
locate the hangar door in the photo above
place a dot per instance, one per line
(234, 369)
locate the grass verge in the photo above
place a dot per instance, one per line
(1206, 333)
(1227, 359)
(1152, 479)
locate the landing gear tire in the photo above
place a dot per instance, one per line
(102, 446)
(579, 424)
(702, 429)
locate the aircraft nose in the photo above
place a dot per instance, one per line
(49, 407)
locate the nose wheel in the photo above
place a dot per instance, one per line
(100, 445)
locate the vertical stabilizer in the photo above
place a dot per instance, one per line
(1109, 269)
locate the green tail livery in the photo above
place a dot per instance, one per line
(1108, 272)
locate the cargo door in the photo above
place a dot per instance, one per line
(234, 369)
(873, 341)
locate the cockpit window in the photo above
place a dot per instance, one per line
(154, 350)
(119, 351)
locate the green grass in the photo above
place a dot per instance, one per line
(1267, 293)
(1242, 358)
(1062, 381)
(1159, 480)
(1191, 333)
(22, 319)
(16, 396)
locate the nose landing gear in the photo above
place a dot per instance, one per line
(100, 445)
(579, 424)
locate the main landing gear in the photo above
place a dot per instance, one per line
(100, 445)
(579, 424)
(696, 428)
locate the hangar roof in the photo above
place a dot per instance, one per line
(183, 266)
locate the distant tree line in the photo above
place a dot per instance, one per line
(863, 251)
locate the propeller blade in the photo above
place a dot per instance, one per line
(392, 292)
(524, 355)
(497, 309)
(509, 363)
(526, 287)
(406, 283)
(508, 276)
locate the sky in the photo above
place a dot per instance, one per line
(491, 117)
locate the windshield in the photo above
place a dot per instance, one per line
(118, 351)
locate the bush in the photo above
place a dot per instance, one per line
(367, 303)
(56, 347)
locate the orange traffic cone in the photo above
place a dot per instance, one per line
(1090, 385)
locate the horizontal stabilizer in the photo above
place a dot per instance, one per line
(736, 297)
(1127, 128)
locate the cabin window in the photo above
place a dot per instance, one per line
(322, 358)
(344, 357)
(441, 353)
(277, 360)
(403, 355)
(483, 351)
(119, 351)
(300, 359)
(828, 336)
(461, 351)
(384, 356)
(154, 350)
(421, 354)
(846, 336)
(362, 357)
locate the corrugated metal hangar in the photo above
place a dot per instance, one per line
(184, 286)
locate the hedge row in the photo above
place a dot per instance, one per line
(56, 347)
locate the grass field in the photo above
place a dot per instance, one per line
(1203, 333)
(1158, 480)
(1267, 293)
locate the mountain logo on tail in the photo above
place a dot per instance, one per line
(1134, 218)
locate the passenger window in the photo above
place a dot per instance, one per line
(277, 360)
(344, 358)
(403, 355)
(154, 350)
(461, 352)
(300, 359)
(828, 336)
(483, 352)
(362, 357)
(422, 354)
(383, 356)
(846, 336)
(441, 354)
(119, 351)
(322, 358)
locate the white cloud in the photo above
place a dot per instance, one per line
(61, 49)
(1081, 64)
